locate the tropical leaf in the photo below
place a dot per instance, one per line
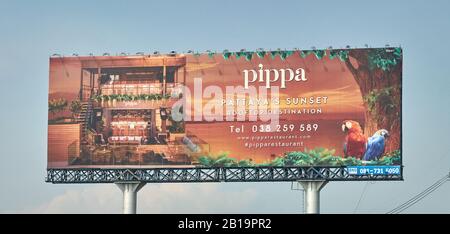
(245, 163)
(278, 162)
(333, 54)
(285, 54)
(204, 160)
(274, 53)
(319, 54)
(304, 53)
(238, 54)
(248, 56)
(343, 55)
(226, 54)
(261, 54)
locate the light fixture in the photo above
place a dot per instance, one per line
(347, 47)
(75, 54)
(140, 53)
(106, 54)
(155, 52)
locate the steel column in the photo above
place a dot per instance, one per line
(130, 190)
(312, 195)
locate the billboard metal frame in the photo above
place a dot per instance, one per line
(213, 174)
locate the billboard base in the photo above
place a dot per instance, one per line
(312, 195)
(129, 190)
(211, 174)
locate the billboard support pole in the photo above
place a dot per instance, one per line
(312, 195)
(130, 190)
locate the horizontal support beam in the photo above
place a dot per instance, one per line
(200, 174)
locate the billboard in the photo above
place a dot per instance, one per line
(338, 107)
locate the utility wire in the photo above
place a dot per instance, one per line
(303, 201)
(420, 196)
(423, 195)
(361, 197)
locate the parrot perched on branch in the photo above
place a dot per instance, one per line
(375, 145)
(355, 141)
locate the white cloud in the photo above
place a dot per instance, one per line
(153, 198)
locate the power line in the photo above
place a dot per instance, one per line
(361, 197)
(420, 196)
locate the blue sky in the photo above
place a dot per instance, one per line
(31, 31)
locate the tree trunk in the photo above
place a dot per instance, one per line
(385, 112)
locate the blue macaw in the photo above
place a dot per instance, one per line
(375, 145)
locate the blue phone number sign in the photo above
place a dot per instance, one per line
(373, 170)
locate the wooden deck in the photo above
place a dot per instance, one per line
(63, 143)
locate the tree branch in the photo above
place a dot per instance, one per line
(350, 67)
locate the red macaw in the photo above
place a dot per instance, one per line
(355, 141)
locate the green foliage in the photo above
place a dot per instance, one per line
(343, 55)
(211, 54)
(314, 157)
(384, 99)
(274, 54)
(304, 53)
(245, 163)
(319, 54)
(238, 54)
(205, 161)
(384, 58)
(393, 158)
(226, 54)
(57, 105)
(75, 106)
(261, 54)
(333, 54)
(285, 54)
(248, 56)
(222, 160)
(278, 162)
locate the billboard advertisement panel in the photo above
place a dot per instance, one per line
(338, 107)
